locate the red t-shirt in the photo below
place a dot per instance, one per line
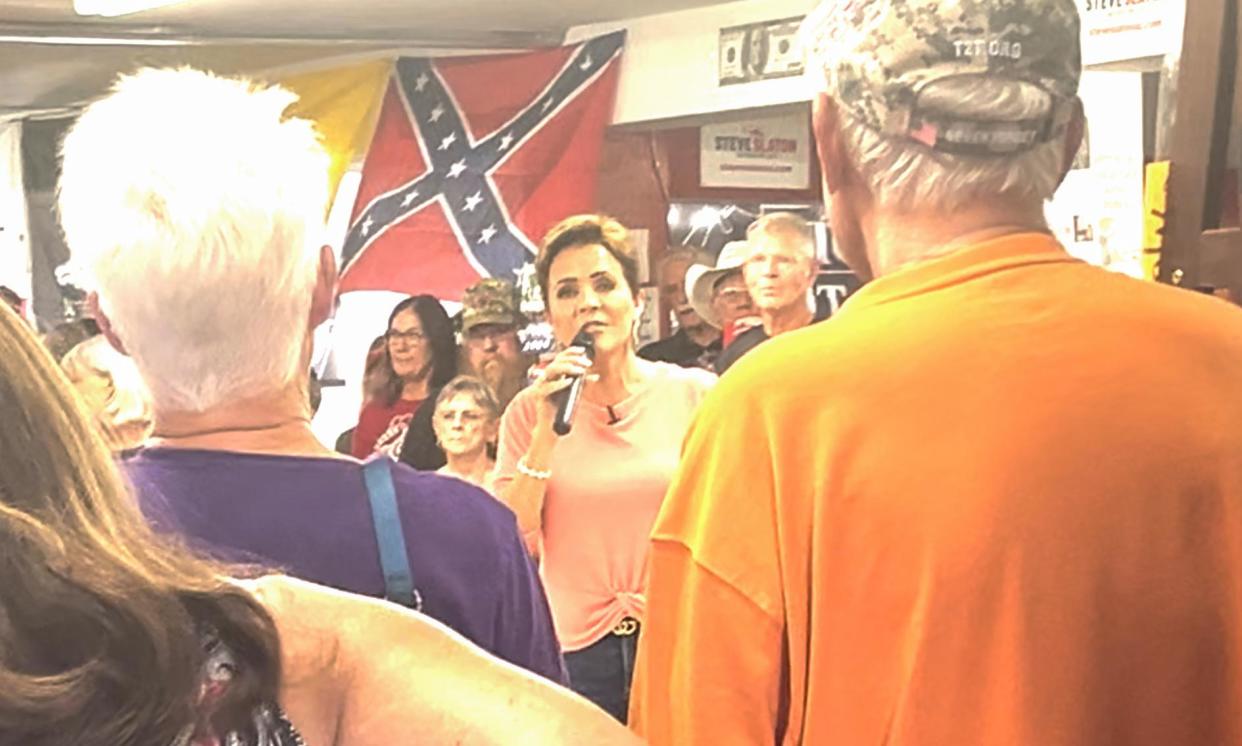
(382, 427)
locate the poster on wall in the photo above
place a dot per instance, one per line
(1116, 30)
(709, 225)
(647, 329)
(762, 153)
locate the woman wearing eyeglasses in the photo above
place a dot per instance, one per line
(420, 356)
(467, 423)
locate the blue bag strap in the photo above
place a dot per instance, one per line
(394, 559)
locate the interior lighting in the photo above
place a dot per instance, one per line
(113, 8)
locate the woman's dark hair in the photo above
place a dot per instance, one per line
(373, 378)
(587, 230)
(441, 345)
(102, 620)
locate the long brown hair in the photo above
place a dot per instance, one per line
(102, 622)
(441, 346)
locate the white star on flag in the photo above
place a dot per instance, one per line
(409, 198)
(488, 234)
(457, 169)
(366, 226)
(421, 82)
(436, 113)
(447, 142)
(506, 141)
(473, 201)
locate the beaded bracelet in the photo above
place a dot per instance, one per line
(532, 473)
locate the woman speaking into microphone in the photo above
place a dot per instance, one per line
(586, 500)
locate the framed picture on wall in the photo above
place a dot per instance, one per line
(647, 329)
(640, 241)
(708, 225)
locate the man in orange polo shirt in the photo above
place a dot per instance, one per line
(996, 499)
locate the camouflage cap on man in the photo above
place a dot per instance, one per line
(490, 301)
(881, 56)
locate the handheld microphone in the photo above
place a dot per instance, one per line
(567, 398)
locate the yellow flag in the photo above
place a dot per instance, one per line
(344, 103)
(1155, 205)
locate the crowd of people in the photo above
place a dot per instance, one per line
(992, 500)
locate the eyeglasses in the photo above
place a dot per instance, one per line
(411, 336)
(468, 417)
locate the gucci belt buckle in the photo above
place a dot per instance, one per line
(626, 627)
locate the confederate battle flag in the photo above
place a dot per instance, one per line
(473, 160)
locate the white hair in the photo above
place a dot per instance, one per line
(196, 209)
(906, 175)
(790, 226)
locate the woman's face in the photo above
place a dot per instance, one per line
(588, 290)
(462, 426)
(407, 345)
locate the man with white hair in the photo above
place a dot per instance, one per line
(197, 207)
(997, 498)
(779, 272)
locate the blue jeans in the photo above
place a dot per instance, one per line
(602, 672)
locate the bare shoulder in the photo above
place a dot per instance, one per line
(313, 670)
(398, 676)
(306, 617)
(288, 598)
(312, 612)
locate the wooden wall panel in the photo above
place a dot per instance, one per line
(633, 184)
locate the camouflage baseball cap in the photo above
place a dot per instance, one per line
(490, 301)
(882, 57)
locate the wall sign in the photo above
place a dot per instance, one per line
(1117, 30)
(766, 153)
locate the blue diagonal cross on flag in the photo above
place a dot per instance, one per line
(472, 157)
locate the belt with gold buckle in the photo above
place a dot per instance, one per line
(626, 627)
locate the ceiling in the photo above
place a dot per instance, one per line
(254, 35)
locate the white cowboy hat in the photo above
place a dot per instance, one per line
(701, 279)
